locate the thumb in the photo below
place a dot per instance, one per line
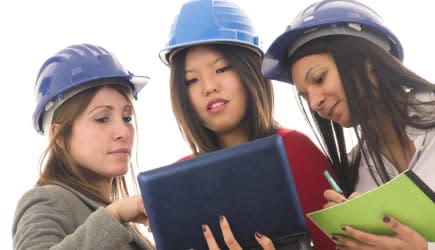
(264, 241)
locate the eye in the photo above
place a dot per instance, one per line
(320, 79)
(191, 81)
(101, 119)
(128, 119)
(223, 69)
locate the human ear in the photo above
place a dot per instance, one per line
(54, 129)
(370, 74)
(368, 66)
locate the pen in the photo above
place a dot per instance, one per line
(332, 182)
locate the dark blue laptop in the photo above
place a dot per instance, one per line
(250, 184)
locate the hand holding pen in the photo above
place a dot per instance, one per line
(332, 182)
(334, 196)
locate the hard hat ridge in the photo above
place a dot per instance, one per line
(210, 21)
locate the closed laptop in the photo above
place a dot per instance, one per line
(250, 184)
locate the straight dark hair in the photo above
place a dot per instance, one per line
(258, 122)
(366, 100)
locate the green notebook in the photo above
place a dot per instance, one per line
(406, 198)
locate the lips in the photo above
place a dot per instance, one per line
(331, 110)
(216, 103)
(120, 151)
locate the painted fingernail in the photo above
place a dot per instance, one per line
(386, 218)
(204, 228)
(221, 218)
(334, 238)
(343, 228)
(258, 234)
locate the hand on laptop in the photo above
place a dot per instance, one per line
(229, 238)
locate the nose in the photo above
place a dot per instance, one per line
(122, 130)
(316, 101)
(210, 85)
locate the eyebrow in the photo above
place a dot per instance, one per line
(218, 59)
(110, 107)
(100, 106)
(310, 70)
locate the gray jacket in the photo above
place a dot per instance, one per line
(58, 217)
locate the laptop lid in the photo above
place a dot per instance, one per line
(250, 184)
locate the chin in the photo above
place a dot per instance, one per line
(119, 170)
(347, 124)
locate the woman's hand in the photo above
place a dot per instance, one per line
(333, 198)
(405, 238)
(129, 209)
(229, 238)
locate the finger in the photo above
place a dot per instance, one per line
(209, 238)
(142, 219)
(329, 204)
(332, 196)
(264, 241)
(141, 205)
(353, 195)
(367, 239)
(403, 231)
(349, 243)
(229, 239)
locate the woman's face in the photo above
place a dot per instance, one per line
(215, 91)
(318, 81)
(102, 136)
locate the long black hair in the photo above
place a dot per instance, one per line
(366, 101)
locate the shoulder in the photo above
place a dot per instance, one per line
(47, 193)
(422, 95)
(54, 197)
(292, 135)
(185, 158)
(299, 145)
(44, 203)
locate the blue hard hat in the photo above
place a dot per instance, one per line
(69, 71)
(210, 21)
(326, 18)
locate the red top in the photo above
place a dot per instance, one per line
(307, 164)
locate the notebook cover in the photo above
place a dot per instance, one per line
(406, 198)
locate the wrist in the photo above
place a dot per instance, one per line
(111, 209)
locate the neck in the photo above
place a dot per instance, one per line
(232, 139)
(397, 152)
(106, 187)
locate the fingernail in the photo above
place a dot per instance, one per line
(204, 228)
(258, 234)
(386, 218)
(221, 218)
(334, 238)
(343, 228)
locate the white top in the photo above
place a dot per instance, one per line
(422, 163)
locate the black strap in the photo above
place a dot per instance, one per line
(421, 184)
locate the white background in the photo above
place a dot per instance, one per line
(32, 31)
